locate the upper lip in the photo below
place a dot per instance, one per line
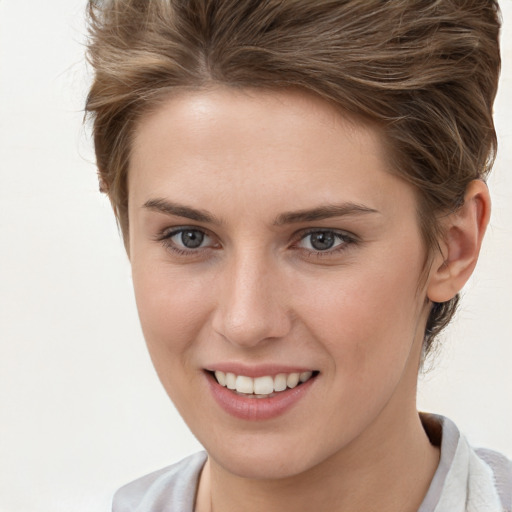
(259, 370)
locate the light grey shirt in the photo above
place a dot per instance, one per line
(466, 480)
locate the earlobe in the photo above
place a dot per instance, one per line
(463, 234)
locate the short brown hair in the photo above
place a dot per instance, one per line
(426, 71)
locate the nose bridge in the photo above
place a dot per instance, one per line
(250, 306)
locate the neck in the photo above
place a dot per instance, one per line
(365, 476)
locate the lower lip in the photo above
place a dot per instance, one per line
(257, 409)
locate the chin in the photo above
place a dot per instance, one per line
(266, 460)
(260, 468)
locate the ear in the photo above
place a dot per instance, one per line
(463, 234)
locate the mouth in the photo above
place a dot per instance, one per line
(267, 386)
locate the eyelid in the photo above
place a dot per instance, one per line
(339, 232)
(165, 238)
(346, 240)
(168, 232)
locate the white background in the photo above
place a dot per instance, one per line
(81, 410)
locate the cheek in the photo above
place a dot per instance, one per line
(366, 318)
(171, 308)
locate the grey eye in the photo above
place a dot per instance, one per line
(322, 240)
(189, 238)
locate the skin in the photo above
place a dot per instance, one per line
(257, 292)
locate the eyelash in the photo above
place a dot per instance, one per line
(166, 236)
(345, 240)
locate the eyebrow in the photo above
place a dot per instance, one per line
(179, 210)
(308, 215)
(323, 212)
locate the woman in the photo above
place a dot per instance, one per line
(300, 188)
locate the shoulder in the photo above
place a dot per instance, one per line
(487, 469)
(467, 478)
(166, 490)
(501, 468)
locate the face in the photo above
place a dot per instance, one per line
(270, 244)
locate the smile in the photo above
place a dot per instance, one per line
(261, 397)
(261, 387)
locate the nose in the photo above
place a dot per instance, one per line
(251, 306)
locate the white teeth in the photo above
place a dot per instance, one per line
(280, 382)
(221, 378)
(261, 387)
(292, 380)
(230, 380)
(244, 384)
(304, 376)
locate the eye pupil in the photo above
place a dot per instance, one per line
(322, 240)
(192, 239)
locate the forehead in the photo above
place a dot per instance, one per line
(253, 143)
